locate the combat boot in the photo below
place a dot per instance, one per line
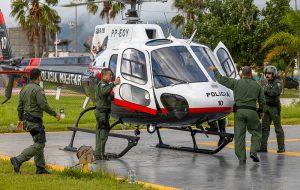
(42, 171)
(262, 150)
(281, 150)
(102, 157)
(16, 164)
(254, 157)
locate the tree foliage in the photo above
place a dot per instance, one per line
(285, 44)
(240, 25)
(110, 9)
(36, 17)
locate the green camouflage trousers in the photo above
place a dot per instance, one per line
(37, 149)
(245, 119)
(102, 131)
(272, 114)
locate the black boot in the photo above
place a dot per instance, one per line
(281, 150)
(42, 171)
(16, 164)
(102, 157)
(254, 157)
(262, 150)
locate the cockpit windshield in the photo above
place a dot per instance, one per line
(203, 56)
(175, 65)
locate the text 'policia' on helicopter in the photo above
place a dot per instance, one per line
(62, 78)
(165, 82)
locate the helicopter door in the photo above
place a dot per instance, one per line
(135, 91)
(226, 61)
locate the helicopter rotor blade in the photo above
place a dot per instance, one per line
(81, 4)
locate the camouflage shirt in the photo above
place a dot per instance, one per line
(103, 95)
(32, 100)
(247, 92)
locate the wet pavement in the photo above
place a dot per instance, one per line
(180, 169)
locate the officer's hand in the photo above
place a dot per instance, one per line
(117, 81)
(20, 125)
(58, 116)
(212, 68)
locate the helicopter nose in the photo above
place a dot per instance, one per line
(196, 99)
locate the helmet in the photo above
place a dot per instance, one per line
(270, 69)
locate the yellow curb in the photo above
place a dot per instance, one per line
(272, 151)
(61, 168)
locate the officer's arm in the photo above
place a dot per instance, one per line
(273, 90)
(43, 104)
(261, 100)
(226, 81)
(21, 107)
(105, 89)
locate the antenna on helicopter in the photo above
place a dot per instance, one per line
(169, 27)
(192, 37)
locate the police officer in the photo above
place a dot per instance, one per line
(103, 96)
(246, 94)
(272, 110)
(32, 104)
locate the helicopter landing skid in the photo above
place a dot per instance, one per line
(132, 140)
(227, 138)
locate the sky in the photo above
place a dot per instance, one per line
(151, 12)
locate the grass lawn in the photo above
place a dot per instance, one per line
(67, 179)
(73, 106)
(290, 115)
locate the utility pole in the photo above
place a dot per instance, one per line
(74, 25)
(75, 30)
(298, 58)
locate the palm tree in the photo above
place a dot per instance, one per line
(287, 43)
(50, 21)
(190, 9)
(36, 17)
(110, 9)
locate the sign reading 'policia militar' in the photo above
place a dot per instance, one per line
(62, 78)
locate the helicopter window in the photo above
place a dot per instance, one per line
(151, 33)
(205, 59)
(175, 65)
(226, 62)
(113, 63)
(133, 66)
(134, 94)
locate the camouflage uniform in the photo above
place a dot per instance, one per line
(103, 97)
(246, 94)
(32, 103)
(272, 113)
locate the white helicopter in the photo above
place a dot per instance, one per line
(165, 82)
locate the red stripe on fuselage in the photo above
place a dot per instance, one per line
(210, 110)
(134, 107)
(33, 63)
(1, 18)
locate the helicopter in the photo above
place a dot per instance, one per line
(165, 81)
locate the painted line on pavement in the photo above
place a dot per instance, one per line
(272, 151)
